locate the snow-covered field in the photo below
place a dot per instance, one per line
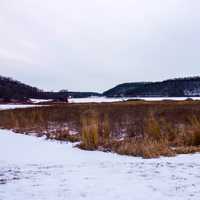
(104, 99)
(14, 106)
(91, 100)
(36, 169)
(40, 100)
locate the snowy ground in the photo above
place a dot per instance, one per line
(13, 106)
(104, 99)
(93, 100)
(40, 100)
(37, 169)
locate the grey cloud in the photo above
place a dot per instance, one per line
(95, 44)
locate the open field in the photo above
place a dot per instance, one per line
(138, 128)
(38, 169)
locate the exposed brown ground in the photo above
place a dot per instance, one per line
(138, 128)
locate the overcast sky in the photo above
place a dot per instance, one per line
(91, 45)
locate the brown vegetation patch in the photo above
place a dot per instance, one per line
(138, 128)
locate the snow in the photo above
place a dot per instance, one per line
(192, 92)
(38, 169)
(105, 99)
(92, 100)
(14, 106)
(40, 100)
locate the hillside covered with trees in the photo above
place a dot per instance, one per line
(12, 89)
(180, 87)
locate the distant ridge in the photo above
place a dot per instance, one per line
(13, 89)
(178, 87)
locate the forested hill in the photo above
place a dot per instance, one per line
(12, 89)
(181, 87)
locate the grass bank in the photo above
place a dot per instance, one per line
(138, 128)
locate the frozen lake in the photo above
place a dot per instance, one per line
(92, 100)
(104, 99)
(37, 169)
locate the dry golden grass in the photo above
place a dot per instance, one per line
(186, 149)
(152, 128)
(145, 148)
(138, 128)
(193, 135)
(89, 130)
(105, 129)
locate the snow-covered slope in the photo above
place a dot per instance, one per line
(37, 169)
(192, 92)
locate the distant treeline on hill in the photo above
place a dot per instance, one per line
(179, 87)
(12, 89)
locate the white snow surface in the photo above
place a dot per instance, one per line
(193, 92)
(14, 106)
(38, 169)
(92, 100)
(105, 99)
(40, 100)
